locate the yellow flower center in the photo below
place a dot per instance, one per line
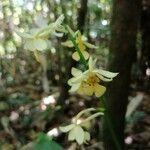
(92, 80)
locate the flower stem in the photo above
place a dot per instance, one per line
(82, 59)
(110, 125)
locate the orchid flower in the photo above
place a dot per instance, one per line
(37, 38)
(76, 131)
(88, 82)
(82, 44)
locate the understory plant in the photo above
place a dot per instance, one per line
(86, 81)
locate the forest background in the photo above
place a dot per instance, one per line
(34, 94)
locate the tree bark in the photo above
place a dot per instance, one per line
(145, 31)
(82, 15)
(124, 25)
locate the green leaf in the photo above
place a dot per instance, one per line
(4, 106)
(101, 109)
(5, 121)
(45, 143)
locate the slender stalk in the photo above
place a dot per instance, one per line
(110, 125)
(82, 59)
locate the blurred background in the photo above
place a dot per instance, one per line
(34, 94)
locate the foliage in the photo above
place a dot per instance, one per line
(43, 142)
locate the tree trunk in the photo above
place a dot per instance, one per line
(145, 31)
(124, 24)
(82, 15)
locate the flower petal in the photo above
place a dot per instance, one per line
(76, 56)
(107, 74)
(29, 45)
(86, 136)
(49, 45)
(85, 54)
(75, 87)
(99, 90)
(24, 35)
(33, 31)
(103, 78)
(84, 38)
(61, 29)
(85, 89)
(84, 112)
(79, 134)
(40, 44)
(71, 135)
(91, 63)
(58, 34)
(67, 43)
(59, 20)
(90, 45)
(75, 72)
(67, 128)
(44, 32)
(89, 90)
(75, 80)
(70, 81)
(80, 91)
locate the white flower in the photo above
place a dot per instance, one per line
(76, 131)
(88, 82)
(37, 38)
(103, 75)
(82, 44)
